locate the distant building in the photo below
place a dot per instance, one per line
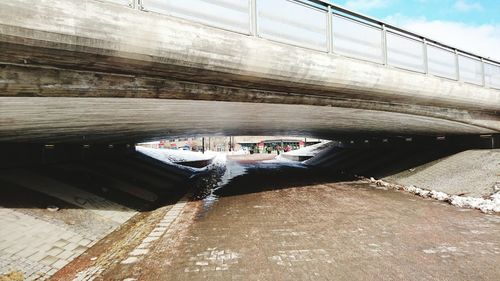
(236, 143)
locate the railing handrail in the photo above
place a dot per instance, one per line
(399, 29)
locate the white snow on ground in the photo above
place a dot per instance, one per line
(172, 155)
(311, 150)
(486, 205)
(233, 169)
(280, 161)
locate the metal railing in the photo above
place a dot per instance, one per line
(326, 27)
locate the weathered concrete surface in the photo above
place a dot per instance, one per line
(89, 48)
(107, 119)
(474, 173)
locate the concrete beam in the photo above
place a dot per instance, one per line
(82, 120)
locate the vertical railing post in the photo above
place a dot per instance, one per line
(426, 56)
(135, 4)
(483, 72)
(330, 30)
(384, 45)
(253, 18)
(457, 65)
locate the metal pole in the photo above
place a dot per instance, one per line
(426, 57)
(329, 29)
(203, 145)
(384, 44)
(483, 72)
(457, 64)
(253, 18)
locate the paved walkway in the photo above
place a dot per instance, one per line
(325, 232)
(35, 247)
(91, 203)
(474, 173)
(38, 242)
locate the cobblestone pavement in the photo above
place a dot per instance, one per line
(51, 215)
(38, 242)
(341, 231)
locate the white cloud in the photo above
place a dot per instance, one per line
(483, 40)
(365, 5)
(465, 6)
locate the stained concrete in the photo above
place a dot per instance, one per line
(90, 48)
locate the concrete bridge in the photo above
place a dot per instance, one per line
(86, 71)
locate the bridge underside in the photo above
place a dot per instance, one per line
(86, 120)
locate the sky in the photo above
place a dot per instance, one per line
(471, 25)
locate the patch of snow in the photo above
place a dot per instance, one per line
(220, 159)
(311, 150)
(279, 162)
(278, 159)
(441, 249)
(491, 204)
(238, 152)
(438, 195)
(486, 205)
(233, 169)
(173, 156)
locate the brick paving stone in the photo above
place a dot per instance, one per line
(60, 264)
(85, 242)
(150, 239)
(27, 252)
(61, 243)
(80, 249)
(75, 239)
(160, 229)
(130, 260)
(139, 252)
(54, 251)
(144, 245)
(48, 260)
(65, 255)
(71, 246)
(38, 256)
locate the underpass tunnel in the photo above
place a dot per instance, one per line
(142, 179)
